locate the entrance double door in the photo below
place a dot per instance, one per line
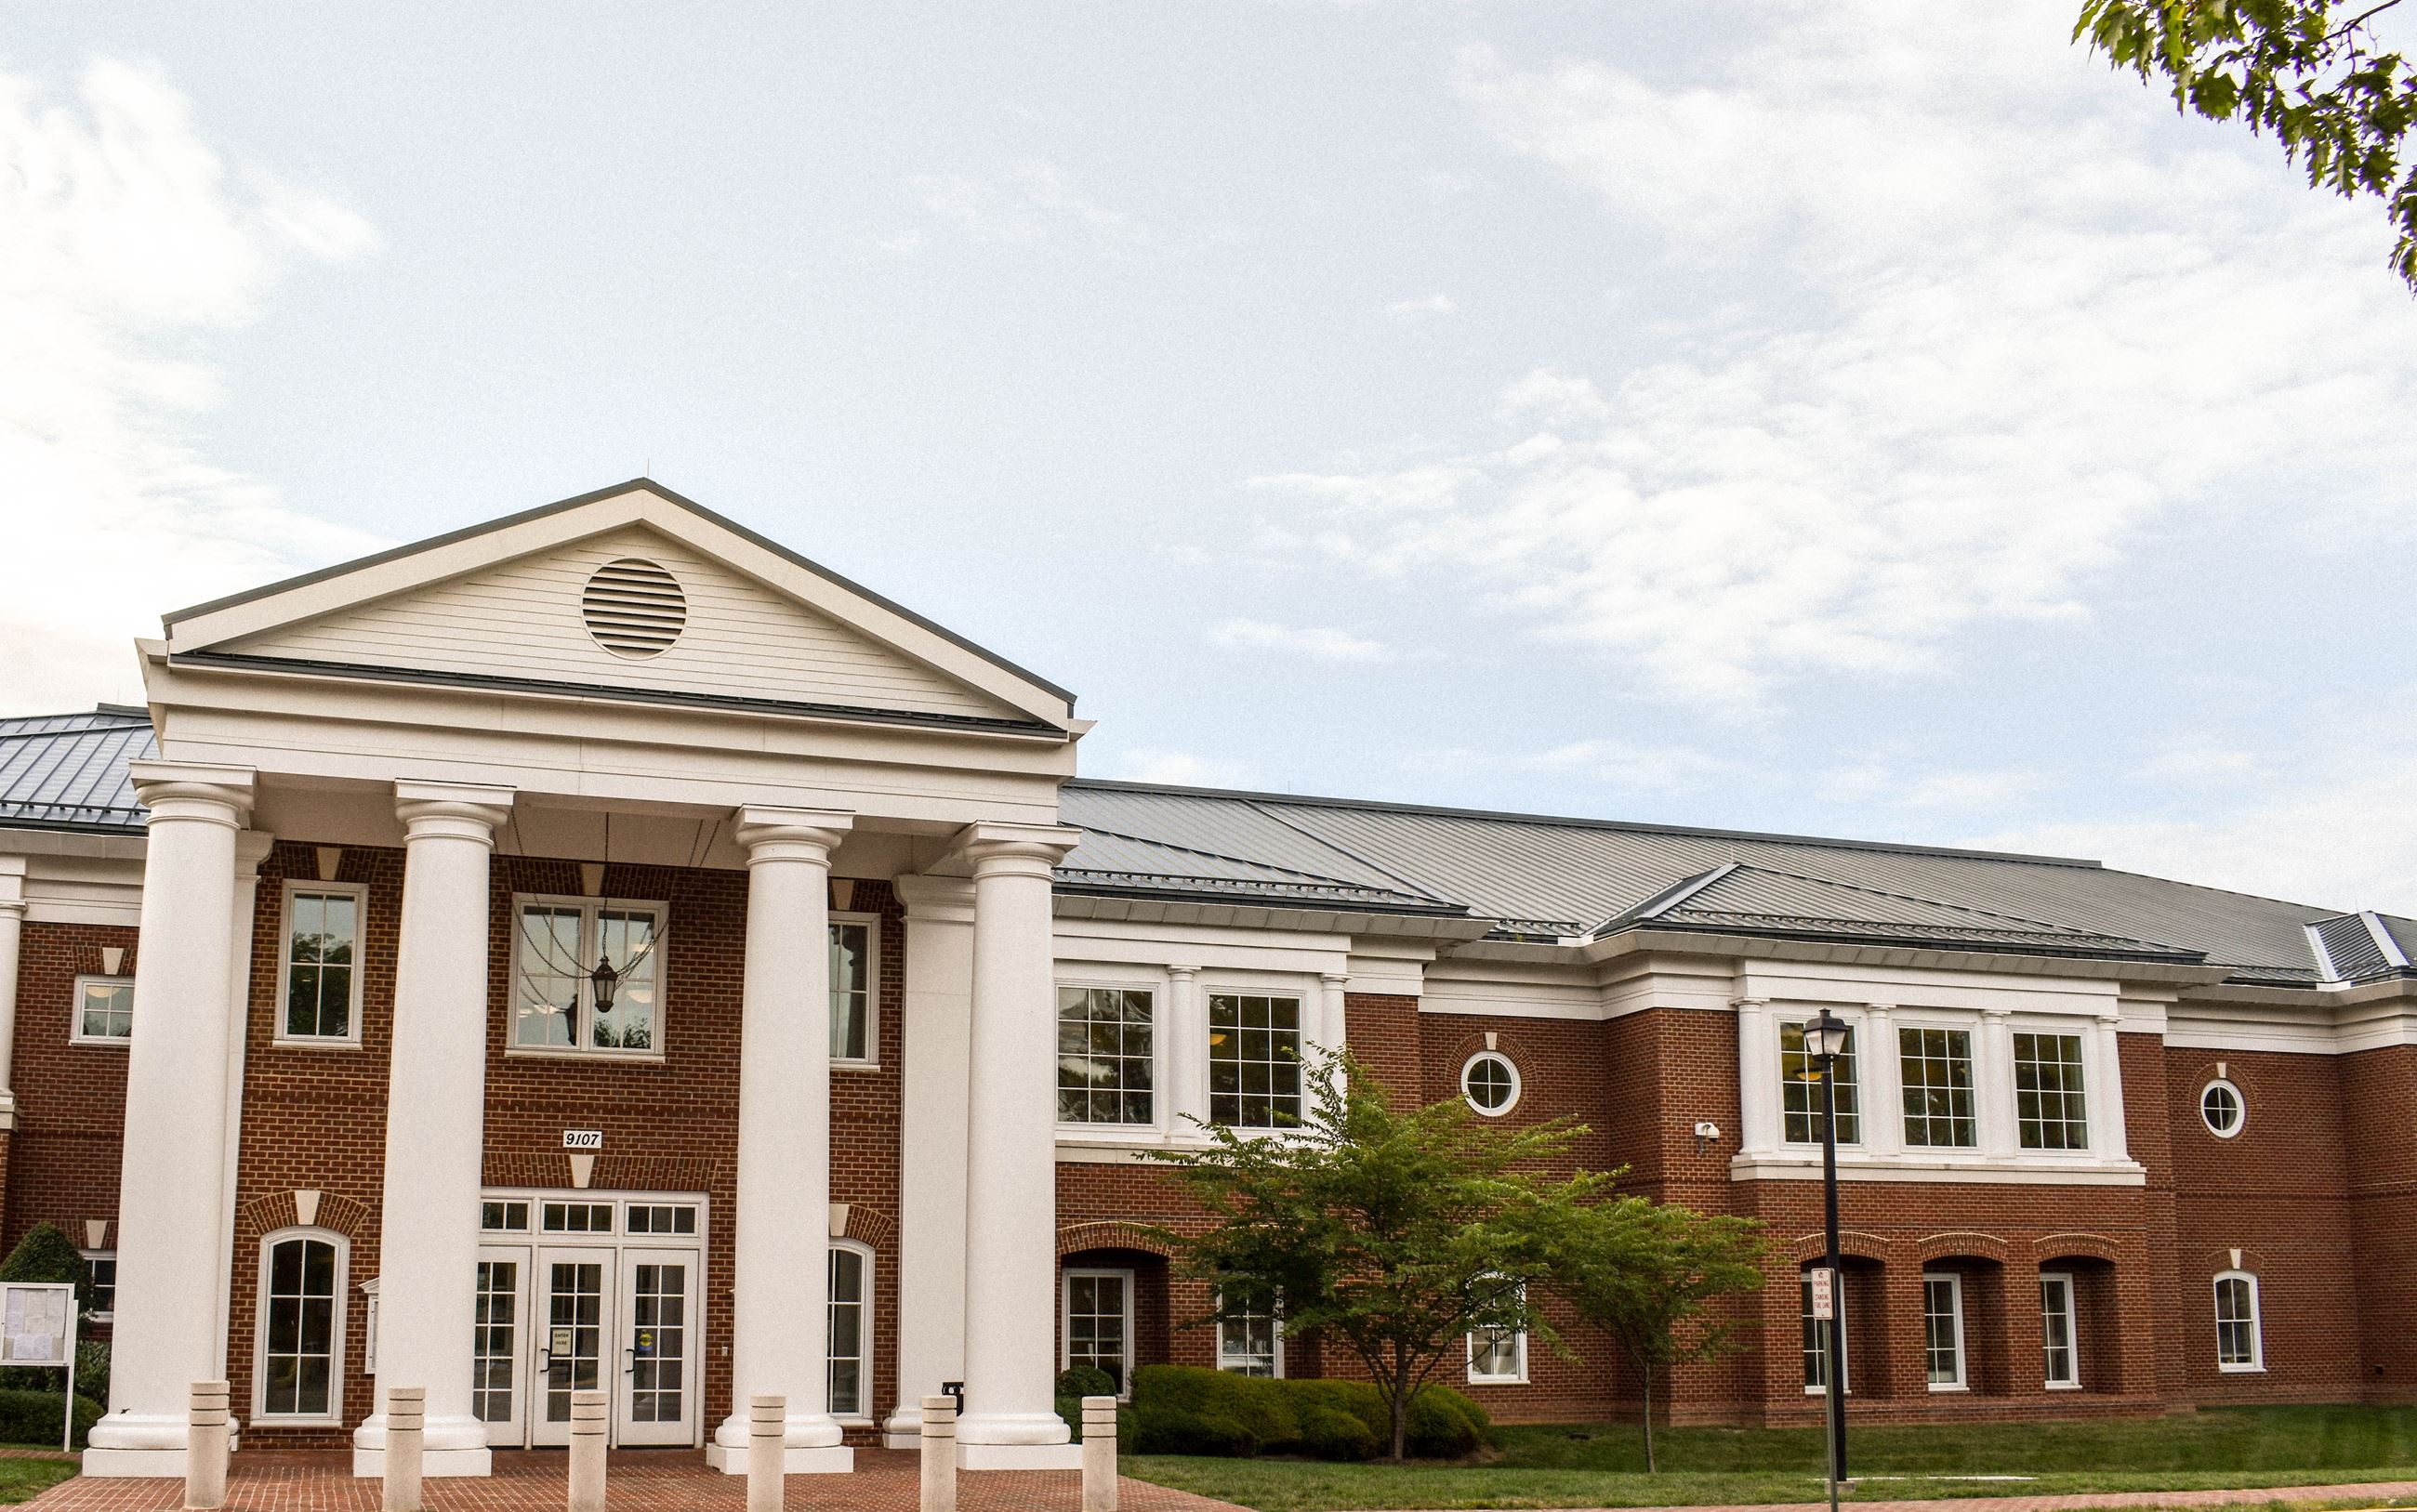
(557, 1319)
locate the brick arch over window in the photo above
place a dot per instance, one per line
(2252, 1261)
(1112, 1233)
(2095, 1246)
(1852, 1242)
(338, 1213)
(1979, 1245)
(873, 1227)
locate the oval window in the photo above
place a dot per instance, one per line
(2223, 1108)
(1490, 1082)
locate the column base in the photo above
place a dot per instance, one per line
(818, 1460)
(433, 1463)
(1019, 1456)
(147, 1464)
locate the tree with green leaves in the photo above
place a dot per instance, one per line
(2311, 73)
(1649, 1275)
(45, 1254)
(1394, 1234)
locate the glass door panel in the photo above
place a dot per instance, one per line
(499, 1346)
(577, 1288)
(657, 1347)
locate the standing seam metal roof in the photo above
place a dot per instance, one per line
(70, 770)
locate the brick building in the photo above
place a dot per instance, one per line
(603, 948)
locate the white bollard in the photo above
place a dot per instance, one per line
(406, 1420)
(205, 1445)
(1099, 1453)
(939, 1454)
(766, 1455)
(587, 1428)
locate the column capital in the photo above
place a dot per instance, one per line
(769, 834)
(1008, 850)
(251, 847)
(452, 810)
(1183, 973)
(211, 793)
(935, 899)
(1335, 978)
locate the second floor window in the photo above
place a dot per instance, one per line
(322, 984)
(1253, 1060)
(2051, 1108)
(851, 988)
(1104, 1068)
(1937, 1067)
(1800, 1089)
(104, 1011)
(587, 975)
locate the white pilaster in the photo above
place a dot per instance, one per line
(1883, 1082)
(2104, 1090)
(780, 1314)
(1994, 1069)
(1184, 1031)
(12, 924)
(251, 849)
(1011, 1420)
(1757, 1078)
(938, 1031)
(435, 1120)
(170, 1197)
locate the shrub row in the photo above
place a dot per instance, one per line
(35, 1417)
(1181, 1409)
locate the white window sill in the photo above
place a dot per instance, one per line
(1942, 1387)
(2063, 1386)
(2242, 1370)
(313, 1042)
(1798, 1163)
(267, 1420)
(567, 1052)
(837, 1064)
(111, 1041)
(1498, 1381)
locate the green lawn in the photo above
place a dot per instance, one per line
(22, 1480)
(1603, 1466)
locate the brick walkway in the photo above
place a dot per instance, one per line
(647, 1480)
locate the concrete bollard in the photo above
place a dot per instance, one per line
(587, 1428)
(407, 1421)
(939, 1454)
(767, 1454)
(205, 1445)
(1099, 1453)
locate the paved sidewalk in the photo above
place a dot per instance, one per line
(657, 1480)
(2370, 1494)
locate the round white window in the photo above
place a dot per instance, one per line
(1490, 1082)
(2223, 1107)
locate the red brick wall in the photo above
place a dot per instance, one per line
(2379, 1101)
(63, 1159)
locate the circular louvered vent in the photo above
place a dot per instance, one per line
(634, 608)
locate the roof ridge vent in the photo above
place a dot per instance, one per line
(634, 608)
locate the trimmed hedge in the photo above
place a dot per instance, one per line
(1086, 1380)
(1193, 1406)
(35, 1417)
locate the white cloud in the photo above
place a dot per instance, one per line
(1434, 304)
(1318, 641)
(2191, 765)
(1179, 768)
(1030, 203)
(1971, 790)
(1614, 764)
(122, 241)
(1999, 320)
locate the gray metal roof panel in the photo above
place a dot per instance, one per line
(71, 770)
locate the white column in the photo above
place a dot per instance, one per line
(12, 924)
(1995, 1071)
(1184, 1031)
(1883, 1082)
(1330, 1029)
(1757, 1076)
(1011, 1420)
(2105, 1089)
(435, 1122)
(780, 1314)
(170, 1200)
(938, 1036)
(251, 849)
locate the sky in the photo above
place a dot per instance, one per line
(1855, 417)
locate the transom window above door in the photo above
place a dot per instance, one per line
(586, 976)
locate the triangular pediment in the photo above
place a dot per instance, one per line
(634, 590)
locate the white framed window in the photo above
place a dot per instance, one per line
(1255, 1055)
(1099, 1323)
(2051, 1104)
(503, 1215)
(1499, 1357)
(1817, 1334)
(102, 1263)
(575, 1217)
(104, 1011)
(319, 975)
(572, 954)
(299, 1364)
(1250, 1339)
(855, 989)
(2239, 1333)
(1490, 1082)
(2059, 1333)
(675, 1218)
(1106, 1055)
(1943, 1329)
(1800, 1088)
(850, 1334)
(1935, 1067)
(2222, 1109)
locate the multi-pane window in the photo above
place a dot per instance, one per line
(1937, 1068)
(851, 990)
(299, 1345)
(2239, 1344)
(1104, 1070)
(851, 1305)
(495, 1339)
(1253, 1060)
(104, 1009)
(1800, 1089)
(587, 975)
(1943, 1329)
(1490, 1083)
(577, 1217)
(1817, 1333)
(657, 1363)
(102, 1266)
(1099, 1323)
(503, 1216)
(661, 1217)
(2058, 1337)
(322, 984)
(1498, 1355)
(1247, 1336)
(2051, 1108)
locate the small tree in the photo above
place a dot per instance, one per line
(1396, 1235)
(45, 1254)
(1647, 1272)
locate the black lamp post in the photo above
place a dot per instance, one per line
(1825, 1040)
